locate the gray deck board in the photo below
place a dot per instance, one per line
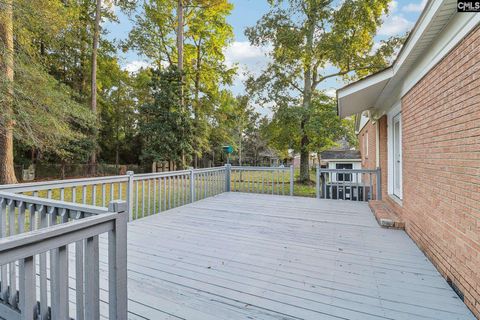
(251, 256)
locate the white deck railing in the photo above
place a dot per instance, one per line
(36, 237)
(151, 193)
(40, 222)
(272, 180)
(349, 184)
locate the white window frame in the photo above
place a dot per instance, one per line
(393, 114)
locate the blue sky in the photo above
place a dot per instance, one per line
(402, 17)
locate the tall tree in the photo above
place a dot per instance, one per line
(40, 110)
(324, 128)
(96, 36)
(308, 36)
(164, 126)
(7, 172)
(206, 34)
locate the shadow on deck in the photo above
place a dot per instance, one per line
(251, 256)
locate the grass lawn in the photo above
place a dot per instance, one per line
(156, 195)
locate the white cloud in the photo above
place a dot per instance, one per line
(134, 66)
(394, 25)
(248, 59)
(392, 6)
(415, 7)
(332, 92)
(244, 53)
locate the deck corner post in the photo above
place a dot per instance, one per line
(379, 183)
(228, 168)
(317, 182)
(192, 185)
(292, 173)
(117, 262)
(130, 195)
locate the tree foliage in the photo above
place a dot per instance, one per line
(165, 127)
(312, 41)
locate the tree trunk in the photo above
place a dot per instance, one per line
(181, 165)
(7, 170)
(196, 113)
(96, 36)
(307, 100)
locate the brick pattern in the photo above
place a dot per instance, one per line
(441, 167)
(367, 136)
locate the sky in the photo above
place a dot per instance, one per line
(403, 15)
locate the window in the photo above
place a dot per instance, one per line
(344, 176)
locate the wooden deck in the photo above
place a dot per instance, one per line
(251, 256)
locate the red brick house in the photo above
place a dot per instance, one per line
(419, 121)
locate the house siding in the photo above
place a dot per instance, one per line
(441, 167)
(370, 162)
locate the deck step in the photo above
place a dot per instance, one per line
(385, 216)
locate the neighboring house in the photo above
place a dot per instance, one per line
(419, 121)
(342, 185)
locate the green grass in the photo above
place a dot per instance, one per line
(177, 192)
(261, 182)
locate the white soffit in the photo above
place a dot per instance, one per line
(362, 95)
(373, 90)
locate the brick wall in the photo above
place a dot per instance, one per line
(441, 167)
(370, 162)
(367, 142)
(368, 136)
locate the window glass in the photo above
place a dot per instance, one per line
(344, 176)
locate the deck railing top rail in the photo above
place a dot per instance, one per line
(56, 184)
(76, 209)
(348, 184)
(36, 236)
(246, 168)
(348, 170)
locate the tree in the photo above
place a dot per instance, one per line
(306, 37)
(39, 110)
(96, 36)
(118, 103)
(324, 128)
(158, 35)
(164, 126)
(7, 172)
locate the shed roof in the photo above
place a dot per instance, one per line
(340, 154)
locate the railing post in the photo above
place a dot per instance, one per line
(379, 184)
(192, 185)
(130, 195)
(227, 177)
(317, 182)
(117, 263)
(292, 177)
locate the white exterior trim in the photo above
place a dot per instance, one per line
(377, 145)
(457, 29)
(439, 29)
(397, 109)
